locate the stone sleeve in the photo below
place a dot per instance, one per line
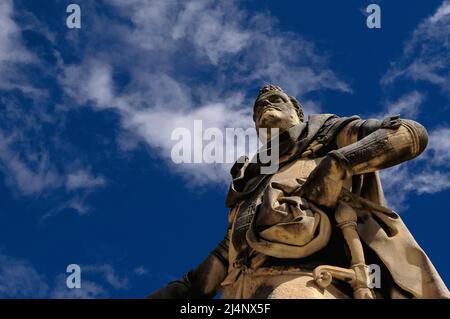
(395, 141)
(356, 130)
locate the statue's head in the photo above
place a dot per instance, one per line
(273, 108)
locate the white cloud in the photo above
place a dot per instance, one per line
(425, 55)
(98, 281)
(140, 271)
(11, 46)
(407, 105)
(439, 147)
(427, 174)
(210, 28)
(29, 172)
(12, 51)
(27, 161)
(20, 174)
(109, 274)
(166, 53)
(91, 83)
(425, 58)
(442, 13)
(19, 279)
(89, 290)
(83, 179)
(155, 127)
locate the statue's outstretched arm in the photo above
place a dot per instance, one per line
(393, 142)
(372, 145)
(203, 281)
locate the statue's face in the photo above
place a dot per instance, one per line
(274, 110)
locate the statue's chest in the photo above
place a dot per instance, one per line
(291, 175)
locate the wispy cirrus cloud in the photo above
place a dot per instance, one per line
(178, 68)
(408, 105)
(424, 58)
(400, 181)
(425, 54)
(98, 280)
(88, 290)
(13, 51)
(109, 274)
(163, 65)
(427, 174)
(31, 121)
(83, 179)
(21, 279)
(186, 61)
(30, 172)
(18, 172)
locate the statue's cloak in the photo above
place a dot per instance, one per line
(380, 229)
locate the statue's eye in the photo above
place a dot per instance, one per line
(276, 99)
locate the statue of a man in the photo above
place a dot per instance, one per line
(315, 227)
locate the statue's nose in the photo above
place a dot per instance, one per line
(266, 103)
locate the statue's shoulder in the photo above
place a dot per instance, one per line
(328, 119)
(329, 124)
(324, 128)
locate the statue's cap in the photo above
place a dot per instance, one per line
(268, 89)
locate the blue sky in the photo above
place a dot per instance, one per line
(86, 116)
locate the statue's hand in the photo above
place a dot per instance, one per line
(179, 289)
(324, 184)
